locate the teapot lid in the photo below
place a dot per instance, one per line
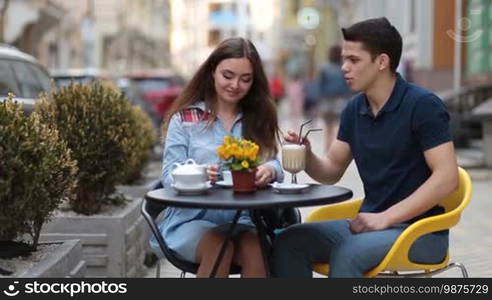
(188, 168)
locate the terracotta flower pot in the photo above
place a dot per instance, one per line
(243, 181)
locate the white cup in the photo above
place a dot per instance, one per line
(227, 177)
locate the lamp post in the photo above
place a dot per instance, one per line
(308, 18)
(88, 34)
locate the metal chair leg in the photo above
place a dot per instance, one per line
(426, 273)
(461, 267)
(158, 269)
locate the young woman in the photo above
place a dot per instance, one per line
(228, 96)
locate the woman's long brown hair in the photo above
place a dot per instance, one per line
(260, 123)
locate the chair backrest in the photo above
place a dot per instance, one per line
(151, 210)
(398, 258)
(460, 198)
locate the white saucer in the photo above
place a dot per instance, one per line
(289, 188)
(192, 190)
(223, 184)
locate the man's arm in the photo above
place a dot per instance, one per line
(442, 182)
(330, 168)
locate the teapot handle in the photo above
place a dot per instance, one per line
(187, 162)
(190, 161)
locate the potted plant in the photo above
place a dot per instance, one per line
(111, 141)
(36, 174)
(241, 157)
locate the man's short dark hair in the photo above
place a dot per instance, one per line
(377, 36)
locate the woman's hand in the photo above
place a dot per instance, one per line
(292, 137)
(213, 173)
(264, 175)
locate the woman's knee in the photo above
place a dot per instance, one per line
(248, 241)
(247, 246)
(210, 246)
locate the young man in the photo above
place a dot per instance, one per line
(398, 135)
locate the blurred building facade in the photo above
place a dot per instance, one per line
(478, 51)
(429, 34)
(134, 34)
(422, 25)
(309, 28)
(25, 23)
(118, 35)
(197, 27)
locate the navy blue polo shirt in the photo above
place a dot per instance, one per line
(388, 148)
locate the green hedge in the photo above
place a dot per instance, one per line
(143, 144)
(107, 137)
(36, 172)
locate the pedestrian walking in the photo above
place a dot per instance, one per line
(334, 92)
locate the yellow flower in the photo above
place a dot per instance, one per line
(238, 152)
(245, 164)
(227, 154)
(220, 152)
(252, 155)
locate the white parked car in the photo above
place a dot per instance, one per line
(22, 75)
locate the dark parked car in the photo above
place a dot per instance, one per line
(65, 77)
(22, 75)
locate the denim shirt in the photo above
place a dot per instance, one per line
(197, 140)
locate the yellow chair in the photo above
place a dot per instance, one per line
(396, 260)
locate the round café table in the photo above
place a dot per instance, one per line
(268, 198)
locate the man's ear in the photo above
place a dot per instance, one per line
(383, 62)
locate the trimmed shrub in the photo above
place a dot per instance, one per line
(147, 137)
(104, 134)
(36, 172)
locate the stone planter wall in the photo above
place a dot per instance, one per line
(112, 245)
(64, 260)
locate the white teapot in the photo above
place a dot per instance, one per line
(189, 175)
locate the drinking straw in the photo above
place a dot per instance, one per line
(300, 130)
(309, 131)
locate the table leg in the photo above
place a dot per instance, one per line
(265, 247)
(224, 245)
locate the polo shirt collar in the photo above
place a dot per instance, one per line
(395, 98)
